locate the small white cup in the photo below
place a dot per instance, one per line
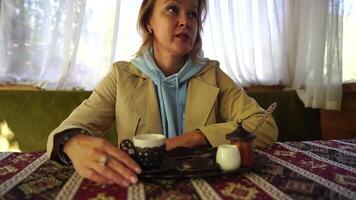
(228, 157)
(148, 140)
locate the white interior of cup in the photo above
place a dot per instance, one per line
(148, 140)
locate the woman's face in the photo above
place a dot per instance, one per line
(174, 24)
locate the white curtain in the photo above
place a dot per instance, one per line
(249, 39)
(56, 44)
(66, 44)
(317, 52)
(295, 43)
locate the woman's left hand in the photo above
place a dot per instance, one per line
(189, 139)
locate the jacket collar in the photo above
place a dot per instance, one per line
(134, 70)
(201, 97)
(202, 94)
(144, 102)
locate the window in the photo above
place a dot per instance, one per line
(349, 42)
(108, 33)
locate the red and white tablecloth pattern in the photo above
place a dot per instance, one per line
(289, 170)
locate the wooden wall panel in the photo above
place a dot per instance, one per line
(18, 87)
(341, 124)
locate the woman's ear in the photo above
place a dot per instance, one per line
(148, 26)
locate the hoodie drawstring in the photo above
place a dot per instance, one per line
(179, 116)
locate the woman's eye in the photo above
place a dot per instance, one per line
(192, 15)
(172, 9)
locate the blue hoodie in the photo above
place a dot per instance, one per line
(172, 90)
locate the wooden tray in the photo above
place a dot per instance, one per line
(189, 163)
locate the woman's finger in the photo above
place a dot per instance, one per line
(112, 169)
(94, 176)
(108, 173)
(121, 169)
(123, 158)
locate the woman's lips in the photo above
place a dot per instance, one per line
(183, 36)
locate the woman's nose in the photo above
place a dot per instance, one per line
(184, 21)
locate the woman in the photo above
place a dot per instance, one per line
(167, 88)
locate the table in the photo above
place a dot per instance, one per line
(289, 170)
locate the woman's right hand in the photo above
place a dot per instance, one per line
(85, 152)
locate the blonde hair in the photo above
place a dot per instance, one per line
(145, 14)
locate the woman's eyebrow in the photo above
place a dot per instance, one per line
(194, 6)
(166, 1)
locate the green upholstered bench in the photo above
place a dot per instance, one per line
(32, 115)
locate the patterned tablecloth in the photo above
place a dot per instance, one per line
(290, 170)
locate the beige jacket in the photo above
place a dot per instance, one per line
(214, 105)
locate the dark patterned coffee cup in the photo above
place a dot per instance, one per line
(147, 150)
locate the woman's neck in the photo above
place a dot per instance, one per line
(169, 64)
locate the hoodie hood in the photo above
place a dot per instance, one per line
(171, 90)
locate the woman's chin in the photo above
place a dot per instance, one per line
(182, 51)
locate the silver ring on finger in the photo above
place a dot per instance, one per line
(103, 160)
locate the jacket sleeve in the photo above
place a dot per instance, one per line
(235, 105)
(94, 115)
